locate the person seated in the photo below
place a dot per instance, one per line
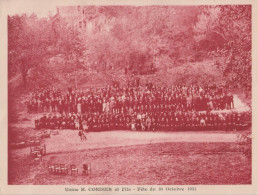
(148, 123)
(138, 124)
(238, 121)
(133, 125)
(47, 121)
(52, 122)
(107, 122)
(143, 125)
(153, 124)
(202, 122)
(94, 124)
(57, 122)
(63, 126)
(127, 122)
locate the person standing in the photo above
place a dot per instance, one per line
(85, 126)
(148, 123)
(107, 107)
(232, 102)
(82, 136)
(79, 108)
(104, 106)
(77, 123)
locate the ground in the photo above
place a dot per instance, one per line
(125, 157)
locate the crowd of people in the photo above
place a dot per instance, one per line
(114, 99)
(154, 121)
(136, 108)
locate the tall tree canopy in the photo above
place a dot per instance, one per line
(32, 41)
(226, 30)
(135, 37)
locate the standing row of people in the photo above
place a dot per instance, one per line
(126, 100)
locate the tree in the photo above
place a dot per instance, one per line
(28, 42)
(162, 34)
(33, 41)
(228, 28)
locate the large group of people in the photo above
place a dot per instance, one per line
(125, 100)
(137, 108)
(169, 121)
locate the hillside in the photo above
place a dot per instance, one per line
(176, 43)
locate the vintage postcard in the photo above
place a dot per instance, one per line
(128, 97)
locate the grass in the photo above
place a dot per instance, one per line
(149, 164)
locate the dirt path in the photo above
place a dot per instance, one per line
(68, 140)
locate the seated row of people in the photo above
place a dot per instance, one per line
(154, 121)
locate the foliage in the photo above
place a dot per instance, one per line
(28, 40)
(142, 36)
(137, 37)
(32, 41)
(226, 30)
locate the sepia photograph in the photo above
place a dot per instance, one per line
(130, 95)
